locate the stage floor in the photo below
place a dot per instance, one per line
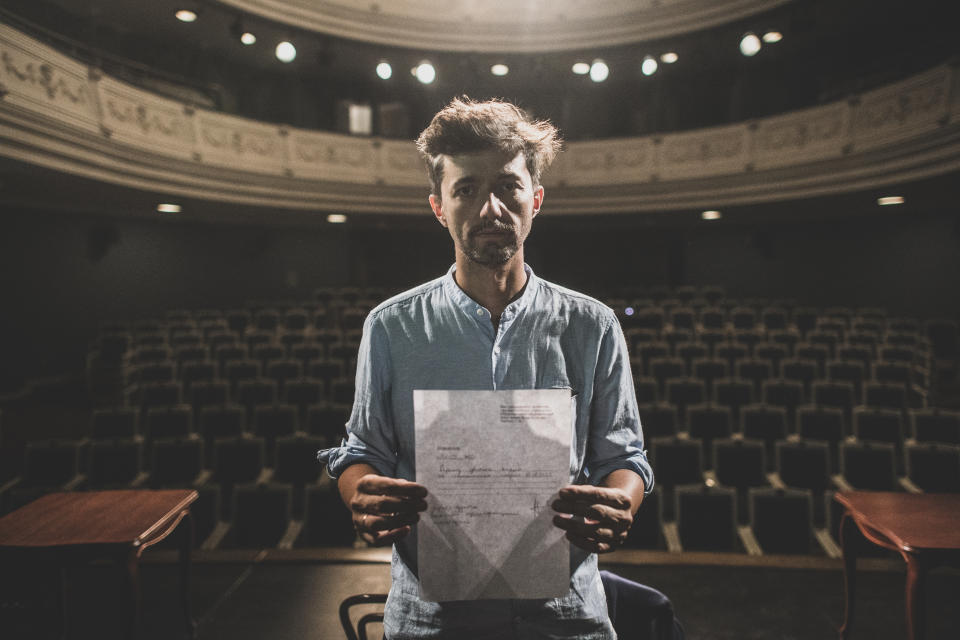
(252, 596)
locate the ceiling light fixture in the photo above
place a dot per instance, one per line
(384, 70)
(168, 207)
(248, 38)
(889, 200)
(669, 57)
(750, 45)
(336, 218)
(711, 215)
(425, 72)
(499, 69)
(186, 15)
(286, 52)
(581, 68)
(771, 37)
(649, 66)
(599, 71)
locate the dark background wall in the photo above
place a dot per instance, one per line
(63, 275)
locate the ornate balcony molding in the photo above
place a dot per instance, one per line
(501, 26)
(60, 115)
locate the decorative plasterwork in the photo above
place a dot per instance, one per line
(60, 115)
(504, 26)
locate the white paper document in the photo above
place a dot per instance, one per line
(492, 463)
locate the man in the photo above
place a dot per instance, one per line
(490, 323)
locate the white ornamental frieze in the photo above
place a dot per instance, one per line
(140, 118)
(36, 78)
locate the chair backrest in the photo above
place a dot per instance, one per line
(360, 631)
(637, 611)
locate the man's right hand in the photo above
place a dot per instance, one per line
(384, 509)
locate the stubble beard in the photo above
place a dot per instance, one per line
(491, 253)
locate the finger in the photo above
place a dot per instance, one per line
(385, 538)
(588, 544)
(378, 504)
(385, 523)
(615, 498)
(614, 518)
(585, 529)
(380, 485)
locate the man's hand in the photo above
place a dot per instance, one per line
(384, 509)
(605, 513)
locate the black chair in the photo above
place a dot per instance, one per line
(637, 612)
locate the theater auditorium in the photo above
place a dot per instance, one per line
(201, 201)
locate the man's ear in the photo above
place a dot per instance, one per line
(537, 200)
(437, 207)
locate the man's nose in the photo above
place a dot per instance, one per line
(492, 208)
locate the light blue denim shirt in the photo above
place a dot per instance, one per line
(436, 337)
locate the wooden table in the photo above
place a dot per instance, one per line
(923, 528)
(59, 529)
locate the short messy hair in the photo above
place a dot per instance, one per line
(466, 126)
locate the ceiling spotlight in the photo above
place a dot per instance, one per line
(286, 52)
(499, 69)
(168, 207)
(425, 72)
(750, 45)
(669, 57)
(711, 215)
(581, 68)
(649, 66)
(384, 70)
(186, 15)
(248, 38)
(888, 200)
(599, 71)
(771, 37)
(336, 218)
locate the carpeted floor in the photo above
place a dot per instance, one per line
(299, 600)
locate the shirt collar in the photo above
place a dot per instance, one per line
(470, 306)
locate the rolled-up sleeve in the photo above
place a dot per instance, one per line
(616, 436)
(370, 434)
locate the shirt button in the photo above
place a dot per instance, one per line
(479, 312)
(496, 350)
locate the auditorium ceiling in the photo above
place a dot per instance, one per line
(830, 51)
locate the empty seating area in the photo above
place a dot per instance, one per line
(754, 413)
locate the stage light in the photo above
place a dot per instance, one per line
(336, 218)
(286, 52)
(628, 311)
(669, 57)
(168, 207)
(581, 68)
(186, 15)
(889, 200)
(248, 38)
(750, 45)
(599, 71)
(425, 72)
(499, 69)
(384, 70)
(711, 215)
(771, 37)
(649, 66)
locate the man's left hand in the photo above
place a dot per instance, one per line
(606, 514)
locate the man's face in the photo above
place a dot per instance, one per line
(487, 202)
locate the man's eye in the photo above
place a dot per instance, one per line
(510, 186)
(463, 191)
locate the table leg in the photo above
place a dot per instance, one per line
(849, 538)
(916, 596)
(186, 546)
(133, 584)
